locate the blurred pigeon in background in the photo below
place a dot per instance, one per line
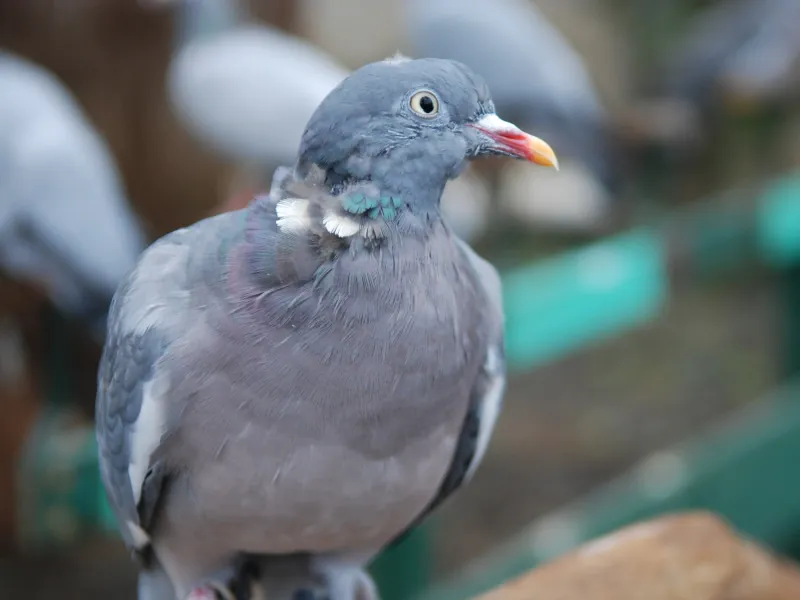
(65, 223)
(312, 375)
(737, 51)
(540, 82)
(245, 89)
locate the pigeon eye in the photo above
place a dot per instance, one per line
(425, 104)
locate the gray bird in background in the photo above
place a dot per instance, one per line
(65, 223)
(748, 49)
(540, 82)
(244, 89)
(307, 378)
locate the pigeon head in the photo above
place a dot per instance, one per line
(407, 126)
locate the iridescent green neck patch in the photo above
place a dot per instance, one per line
(372, 207)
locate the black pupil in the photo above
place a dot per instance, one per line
(426, 104)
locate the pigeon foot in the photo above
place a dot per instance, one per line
(309, 594)
(240, 584)
(351, 584)
(209, 592)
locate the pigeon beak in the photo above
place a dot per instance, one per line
(509, 139)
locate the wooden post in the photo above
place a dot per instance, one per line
(682, 557)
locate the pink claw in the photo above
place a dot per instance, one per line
(202, 593)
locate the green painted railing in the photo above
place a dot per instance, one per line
(560, 304)
(778, 222)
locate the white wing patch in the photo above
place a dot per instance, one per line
(145, 437)
(293, 215)
(490, 408)
(138, 535)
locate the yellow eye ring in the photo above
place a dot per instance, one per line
(425, 104)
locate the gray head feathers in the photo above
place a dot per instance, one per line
(369, 126)
(378, 151)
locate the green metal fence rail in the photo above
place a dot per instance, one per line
(581, 297)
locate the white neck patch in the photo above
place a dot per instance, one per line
(293, 217)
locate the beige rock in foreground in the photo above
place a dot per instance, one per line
(693, 556)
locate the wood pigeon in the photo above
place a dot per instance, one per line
(291, 386)
(737, 50)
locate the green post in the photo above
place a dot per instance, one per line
(790, 351)
(405, 570)
(778, 225)
(790, 312)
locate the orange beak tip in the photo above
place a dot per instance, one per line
(542, 154)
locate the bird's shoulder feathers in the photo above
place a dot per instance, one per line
(149, 310)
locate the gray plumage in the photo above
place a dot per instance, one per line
(64, 219)
(311, 375)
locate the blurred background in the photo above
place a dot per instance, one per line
(652, 287)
